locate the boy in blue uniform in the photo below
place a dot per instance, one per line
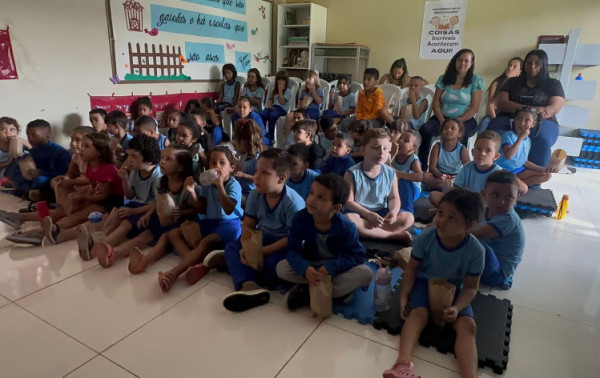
(323, 242)
(270, 208)
(301, 177)
(339, 159)
(501, 233)
(244, 110)
(147, 125)
(408, 168)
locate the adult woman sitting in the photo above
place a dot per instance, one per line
(458, 95)
(533, 87)
(398, 74)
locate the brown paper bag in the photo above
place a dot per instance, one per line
(338, 104)
(62, 191)
(15, 148)
(25, 165)
(306, 100)
(191, 233)
(406, 112)
(557, 160)
(164, 208)
(321, 299)
(252, 246)
(441, 296)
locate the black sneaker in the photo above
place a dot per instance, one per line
(297, 297)
(240, 301)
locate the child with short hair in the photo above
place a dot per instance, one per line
(371, 100)
(116, 122)
(278, 104)
(515, 149)
(173, 120)
(447, 156)
(339, 159)
(374, 204)
(328, 130)
(244, 110)
(342, 103)
(254, 89)
(501, 232)
(445, 251)
(230, 89)
(322, 242)
(249, 142)
(416, 105)
(97, 119)
(190, 137)
(9, 133)
(304, 131)
(148, 126)
(301, 177)
(270, 208)
(408, 168)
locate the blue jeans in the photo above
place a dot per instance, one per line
(241, 273)
(543, 137)
(433, 128)
(270, 117)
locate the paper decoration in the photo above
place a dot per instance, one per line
(134, 15)
(8, 68)
(243, 61)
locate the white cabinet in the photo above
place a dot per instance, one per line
(299, 26)
(347, 58)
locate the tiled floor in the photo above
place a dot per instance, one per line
(60, 316)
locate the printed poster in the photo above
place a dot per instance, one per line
(443, 29)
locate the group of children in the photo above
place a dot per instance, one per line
(312, 201)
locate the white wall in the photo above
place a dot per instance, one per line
(62, 52)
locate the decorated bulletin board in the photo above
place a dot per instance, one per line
(188, 40)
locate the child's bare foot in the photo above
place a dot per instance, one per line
(137, 261)
(105, 254)
(195, 273)
(403, 237)
(11, 219)
(166, 280)
(112, 221)
(401, 371)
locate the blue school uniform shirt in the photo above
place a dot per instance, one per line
(467, 259)
(214, 210)
(337, 165)
(143, 187)
(313, 105)
(256, 118)
(509, 138)
(161, 141)
(372, 193)
(259, 92)
(228, 92)
(52, 160)
(125, 141)
(449, 162)
(337, 249)
(275, 222)
(471, 178)
(303, 187)
(508, 246)
(248, 167)
(456, 101)
(287, 94)
(406, 167)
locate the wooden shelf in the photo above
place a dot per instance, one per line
(296, 26)
(294, 47)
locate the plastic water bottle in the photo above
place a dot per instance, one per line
(383, 289)
(208, 177)
(95, 219)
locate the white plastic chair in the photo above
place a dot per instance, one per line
(393, 95)
(429, 93)
(267, 80)
(294, 86)
(326, 88)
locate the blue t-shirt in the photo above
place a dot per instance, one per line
(372, 193)
(248, 167)
(161, 141)
(125, 141)
(303, 187)
(337, 165)
(508, 139)
(449, 162)
(259, 92)
(467, 259)
(471, 178)
(275, 222)
(509, 244)
(228, 92)
(143, 187)
(416, 123)
(214, 210)
(287, 94)
(313, 105)
(254, 117)
(456, 101)
(406, 167)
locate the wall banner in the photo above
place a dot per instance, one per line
(443, 28)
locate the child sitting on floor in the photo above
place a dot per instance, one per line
(301, 177)
(270, 208)
(173, 121)
(148, 126)
(244, 110)
(445, 251)
(116, 122)
(9, 133)
(339, 159)
(358, 129)
(249, 142)
(408, 168)
(187, 138)
(374, 202)
(98, 120)
(327, 132)
(323, 242)
(501, 232)
(446, 157)
(304, 131)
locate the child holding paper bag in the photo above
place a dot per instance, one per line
(11, 145)
(450, 252)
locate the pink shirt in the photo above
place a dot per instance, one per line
(106, 173)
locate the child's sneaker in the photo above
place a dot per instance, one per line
(401, 371)
(249, 297)
(297, 297)
(215, 259)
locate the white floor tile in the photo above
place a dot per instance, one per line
(3, 301)
(29, 347)
(100, 367)
(201, 338)
(101, 306)
(330, 352)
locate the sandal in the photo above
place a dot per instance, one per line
(401, 371)
(85, 243)
(34, 237)
(4, 217)
(137, 261)
(195, 273)
(165, 280)
(47, 226)
(105, 254)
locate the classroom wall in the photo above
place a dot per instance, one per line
(62, 52)
(495, 31)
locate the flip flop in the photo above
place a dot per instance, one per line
(137, 261)
(47, 227)
(106, 255)
(8, 221)
(195, 273)
(165, 280)
(27, 237)
(85, 243)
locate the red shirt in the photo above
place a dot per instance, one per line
(106, 173)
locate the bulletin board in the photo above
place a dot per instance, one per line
(187, 40)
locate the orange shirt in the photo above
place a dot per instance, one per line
(369, 106)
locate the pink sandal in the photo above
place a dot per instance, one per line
(401, 371)
(137, 261)
(106, 255)
(165, 281)
(195, 273)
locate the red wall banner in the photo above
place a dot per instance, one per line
(8, 67)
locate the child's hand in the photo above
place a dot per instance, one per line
(310, 86)
(524, 133)
(313, 276)
(323, 270)
(190, 185)
(124, 173)
(143, 221)
(447, 183)
(125, 212)
(550, 170)
(450, 314)
(390, 218)
(403, 304)
(394, 151)
(412, 97)
(220, 181)
(374, 220)
(243, 258)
